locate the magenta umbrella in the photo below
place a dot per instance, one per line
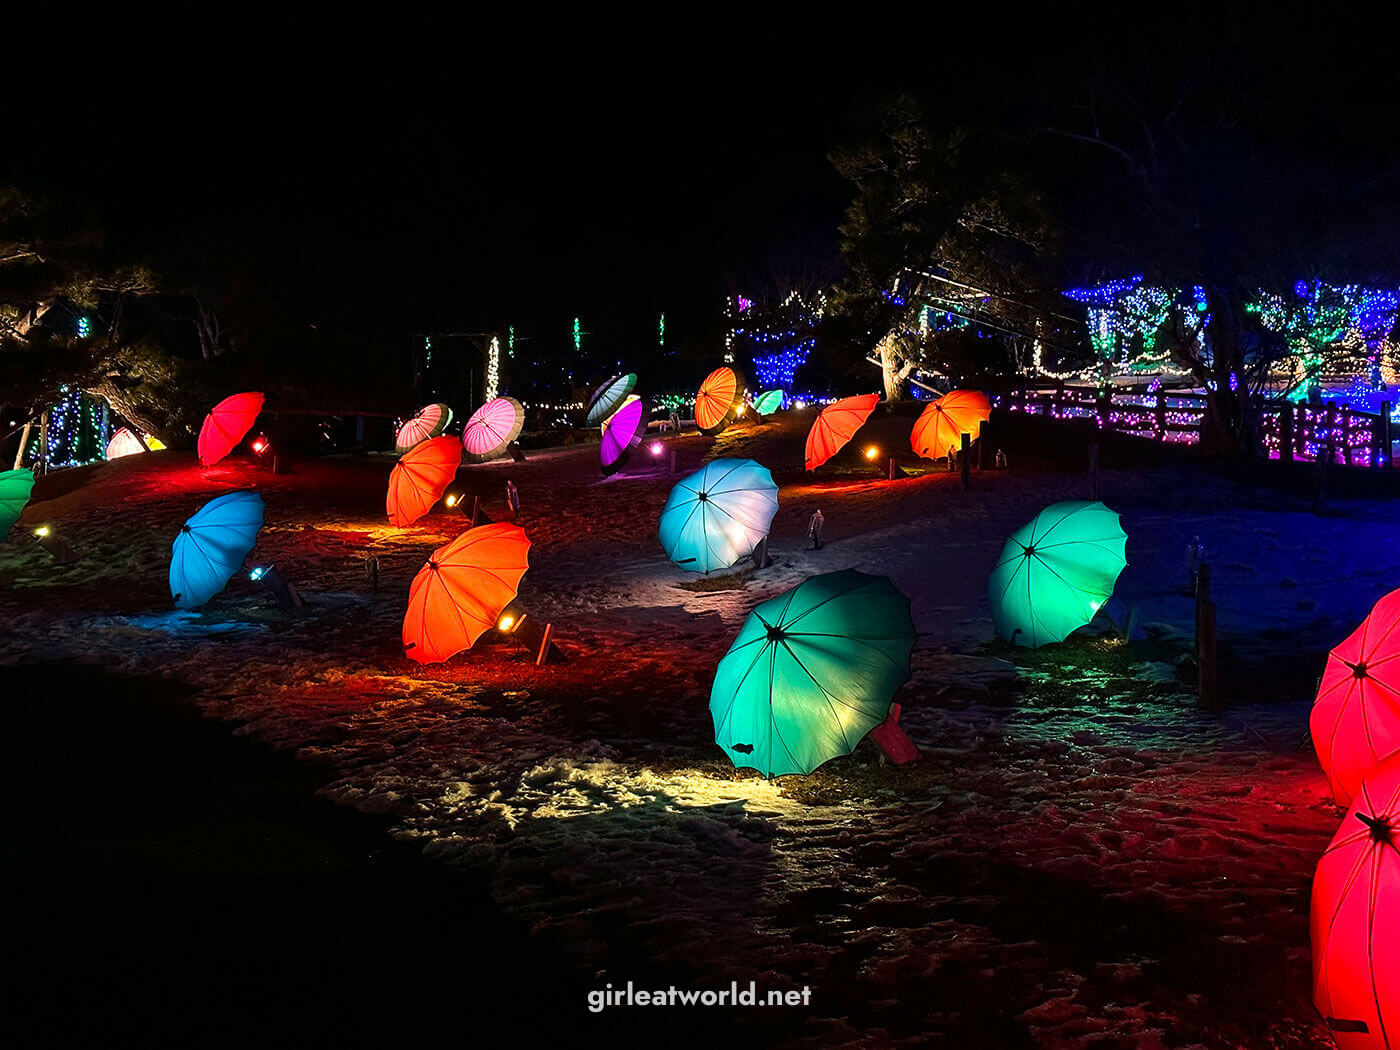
(622, 432)
(493, 426)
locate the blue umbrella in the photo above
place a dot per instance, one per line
(718, 515)
(212, 545)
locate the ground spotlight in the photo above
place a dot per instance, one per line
(657, 448)
(278, 587)
(872, 452)
(48, 538)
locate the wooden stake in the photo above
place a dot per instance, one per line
(965, 459)
(544, 645)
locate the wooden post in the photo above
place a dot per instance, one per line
(891, 473)
(673, 461)
(1324, 460)
(1346, 434)
(1094, 470)
(1160, 415)
(1206, 692)
(1386, 437)
(981, 444)
(965, 459)
(372, 573)
(476, 509)
(44, 442)
(760, 557)
(544, 645)
(1285, 432)
(23, 443)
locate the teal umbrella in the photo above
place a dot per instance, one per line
(718, 515)
(1055, 572)
(811, 672)
(608, 398)
(15, 486)
(767, 404)
(212, 545)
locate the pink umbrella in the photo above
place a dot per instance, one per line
(622, 432)
(493, 426)
(430, 421)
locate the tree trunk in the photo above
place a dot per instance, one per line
(1229, 427)
(893, 367)
(130, 412)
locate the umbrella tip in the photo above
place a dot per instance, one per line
(184, 528)
(1379, 826)
(1359, 670)
(776, 634)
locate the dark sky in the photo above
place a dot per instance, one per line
(425, 175)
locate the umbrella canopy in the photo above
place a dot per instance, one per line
(609, 397)
(15, 487)
(836, 424)
(212, 546)
(718, 515)
(718, 400)
(125, 443)
(767, 404)
(811, 672)
(462, 591)
(622, 432)
(493, 426)
(1356, 919)
(1356, 718)
(1056, 571)
(420, 477)
(226, 425)
(943, 423)
(430, 421)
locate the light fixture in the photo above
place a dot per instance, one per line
(278, 587)
(54, 545)
(657, 448)
(872, 452)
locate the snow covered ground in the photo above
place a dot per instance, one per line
(1081, 858)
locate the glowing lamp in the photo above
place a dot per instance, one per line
(277, 586)
(657, 448)
(872, 452)
(451, 501)
(261, 444)
(258, 573)
(42, 531)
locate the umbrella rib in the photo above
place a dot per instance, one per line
(1341, 713)
(830, 598)
(849, 638)
(825, 696)
(1371, 951)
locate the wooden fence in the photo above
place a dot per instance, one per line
(1289, 431)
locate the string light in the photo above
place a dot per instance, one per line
(493, 368)
(777, 339)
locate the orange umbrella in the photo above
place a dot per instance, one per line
(718, 400)
(420, 477)
(226, 424)
(837, 424)
(946, 420)
(463, 590)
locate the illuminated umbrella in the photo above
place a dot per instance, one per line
(462, 591)
(1356, 718)
(430, 421)
(493, 426)
(943, 423)
(1356, 919)
(811, 672)
(835, 425)
(226, 424)
(609, 397)
(718, 400)
(15, 487)
(420, 477)
(1055, 572)
(125, 443)
(718, 515)
(212, 546)
(767, 404)
(622, 432)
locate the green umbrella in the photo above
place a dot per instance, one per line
(811, 672)
(15, 486)
(767, 404)
(1055, 572)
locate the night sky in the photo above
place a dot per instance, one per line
(451, 184)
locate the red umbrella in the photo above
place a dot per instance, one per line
(1356, 718)
(1356, 919)
(462, 591)
(226, 424)
(420, 477)
(836, 425)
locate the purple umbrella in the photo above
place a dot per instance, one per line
(622, 432)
